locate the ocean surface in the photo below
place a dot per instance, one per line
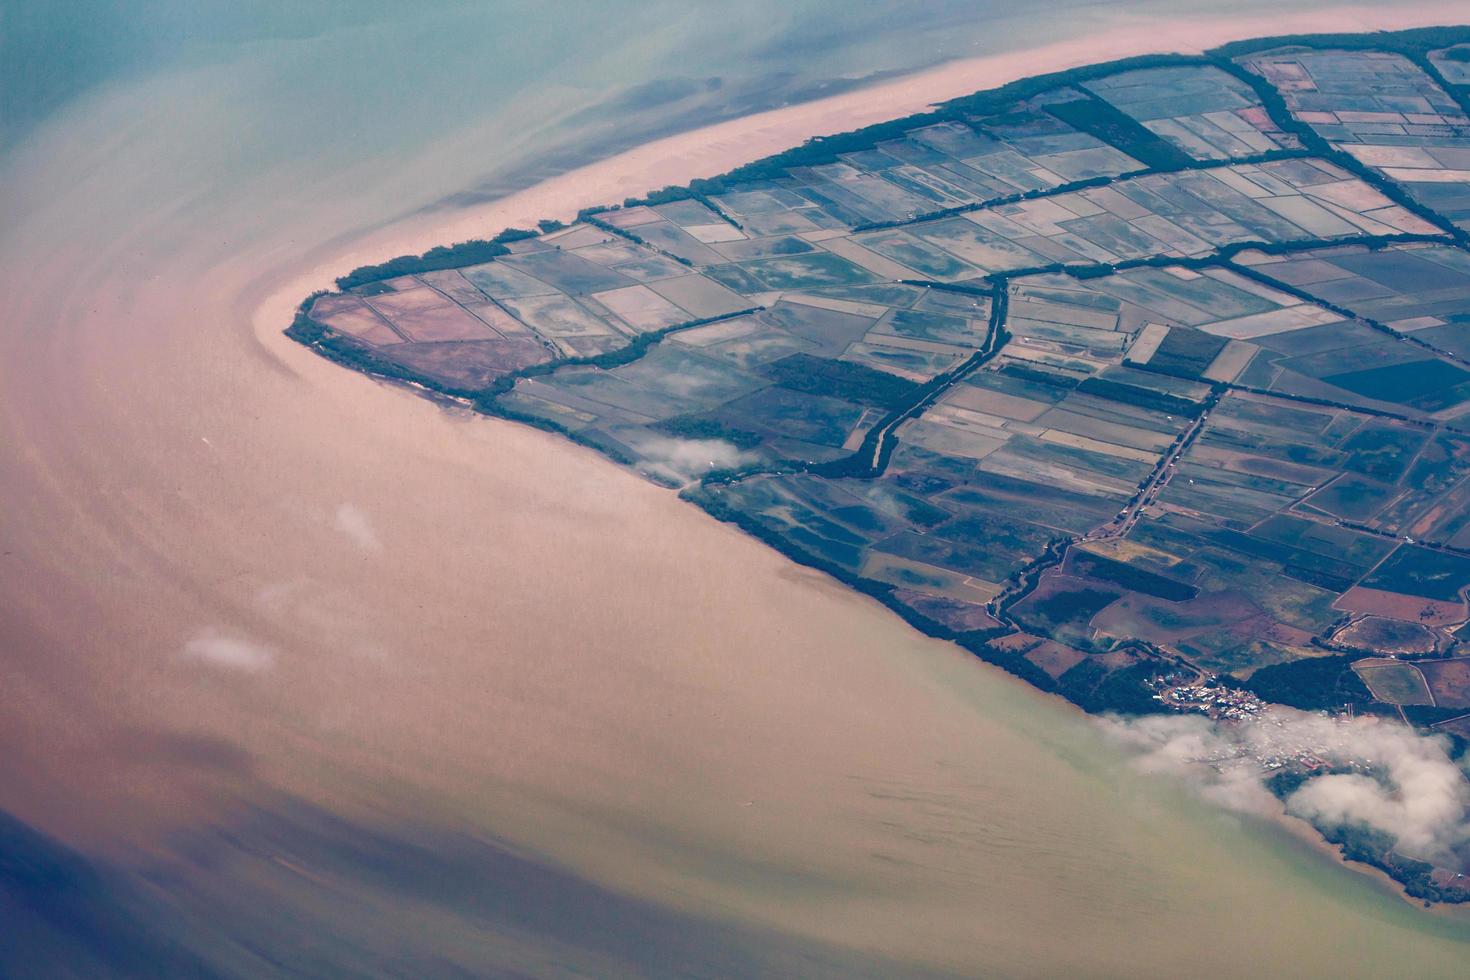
(302, 674)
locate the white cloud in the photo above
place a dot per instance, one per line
(682, 460)
(226, 650)
(353, 522)
(1405, 784)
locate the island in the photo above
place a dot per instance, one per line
(1148, 382)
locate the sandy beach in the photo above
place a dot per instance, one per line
(716, 149)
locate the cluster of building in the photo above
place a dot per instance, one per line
(1214, 702)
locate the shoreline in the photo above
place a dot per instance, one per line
(285, 635)
(721, 147)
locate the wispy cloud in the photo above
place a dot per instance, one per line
(1402, 783)
(353, 521)
(223, 649)
(682, 460)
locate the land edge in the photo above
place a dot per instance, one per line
(306, 332)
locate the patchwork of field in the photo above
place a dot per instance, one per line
(1115, 382)
(1410, 351)
(802, 381)
(1209, 325)
(575, 293)
(950, 165)
(800, 233)
(1280, 519)
(1439, 683)
(1205, 112)
(1046, 442)
(1384, 110)
(1186, 214)
(1011, 458)
(950, 202)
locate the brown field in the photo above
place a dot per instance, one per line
(500, 321)
(1159, 621)
(1064, 604)
(471, 364)
(1394, 605)
(1015, 642)
(357, 320)
(1126, 550)
(1387, 636)
(631, 217)
(1445, 517)
(579, 237)
(332, 303)
(1117, 659)
(953, 613)
(455, 286)
(995, 403)
(642, 307)
(442, 323)
(411, 300)
(1449, 680)
(1055, 658)
(1283, 634)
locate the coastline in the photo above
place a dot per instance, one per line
(281, 636)
(719, 148)
(716, 149)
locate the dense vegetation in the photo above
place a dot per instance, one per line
(473, 252)
(1119, 391)
(703, 427)
(1092, 115)
(1131, 577)
(1311, 684)
(840, 379)
(1096, 689)
(1373, 847)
